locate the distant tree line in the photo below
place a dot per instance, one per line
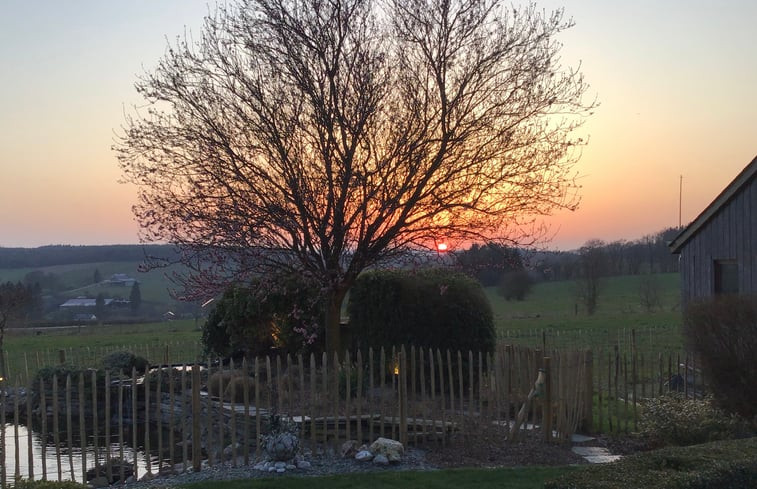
(649, 254)
(45, 256)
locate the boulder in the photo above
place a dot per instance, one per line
(349, 448)
(391, 449)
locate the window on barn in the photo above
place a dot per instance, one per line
(726, 277)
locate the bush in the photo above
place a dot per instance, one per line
(435, 308)
(676, 420)
(731, 464)
(723, 332)
(274, 313)
(124, 362)
(516, 285)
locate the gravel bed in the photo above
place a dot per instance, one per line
(324, 464)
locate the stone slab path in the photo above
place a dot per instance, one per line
(593, 455)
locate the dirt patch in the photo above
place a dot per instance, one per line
(490, 448)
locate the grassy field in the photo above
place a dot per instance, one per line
(76, 280)
(553, 308)
(548, 316)
(518, 478)
(163, 342)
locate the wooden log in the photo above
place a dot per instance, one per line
(335, 397)
(348, 392)
(382, 374)
(258, 416)
(371, 396)
(171, 424)
(359, 396)
(134, 421)
(69, 427)
(148, 462)
(121, 427)
(313, 406)
(196, 412)
(43, 426)
(209, 415)
(246, 399)
(185, 408)
(233, 411)
(547, 411)
(588, 398)
(95, 427)
(3, 465)
(301, 395)
(16, 440)
(158, 417)
(29, 441)
(441, 393)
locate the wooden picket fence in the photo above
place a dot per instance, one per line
(176, 417)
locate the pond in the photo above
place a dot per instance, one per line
(43, 460)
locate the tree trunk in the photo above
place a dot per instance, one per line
(333, 321)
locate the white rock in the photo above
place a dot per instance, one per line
(280, 465)
(303, 464)
(380, 459)
(364, 456)
(281, 471)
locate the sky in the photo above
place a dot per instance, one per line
(676, 82)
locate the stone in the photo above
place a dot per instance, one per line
(260, 466)
(280, 465)
(147, 477)
(391, 449)
(281, 471)
(380, 459)
(228, 452)
(303, 464)
(364, 456)
(349, 448)
(290, 467)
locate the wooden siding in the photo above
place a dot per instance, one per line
(731, 234)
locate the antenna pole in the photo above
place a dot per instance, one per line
(680, 198)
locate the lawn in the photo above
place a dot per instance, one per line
(510, 478)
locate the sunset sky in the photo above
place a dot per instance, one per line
(677, 83)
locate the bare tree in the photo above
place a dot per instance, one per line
(593, 267)
(329, 136)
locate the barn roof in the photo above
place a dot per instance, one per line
(741, 180)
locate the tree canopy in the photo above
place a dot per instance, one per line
(330, 136)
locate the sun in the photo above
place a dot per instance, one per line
(441, 247)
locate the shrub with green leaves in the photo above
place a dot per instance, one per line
(277, 312)
(436, 308)
(124, 362)
(675, 420)
(723, 332)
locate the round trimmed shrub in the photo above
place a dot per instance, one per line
(437, 308)
(124, 362)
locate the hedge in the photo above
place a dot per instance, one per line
(436, 308)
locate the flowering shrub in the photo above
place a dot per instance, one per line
(675, 420)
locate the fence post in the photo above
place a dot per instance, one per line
(588, 423)
(403, 396)
(196, 455)
(62, 356)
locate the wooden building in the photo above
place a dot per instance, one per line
(718, 250)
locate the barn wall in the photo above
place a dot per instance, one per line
(730, 234)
